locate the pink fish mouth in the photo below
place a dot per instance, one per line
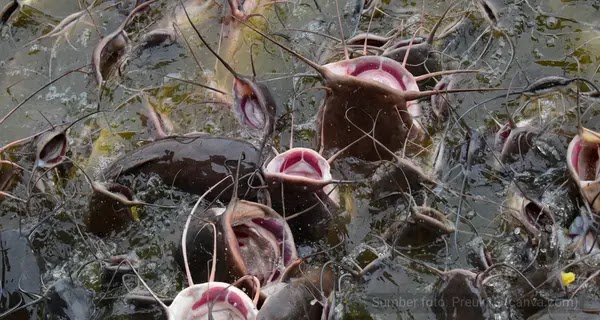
(377, 69)
(300, 164)
(583, 161)
(213, 300)
(247, 107)
(251, 113)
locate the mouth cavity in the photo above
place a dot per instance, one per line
(536, 216)
(300, 163)
(229, 298)
(214, 300)
(247, 106)
(584, 159)
(384, 71)
(53, 152)
(265, 247)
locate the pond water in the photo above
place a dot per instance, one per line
(51, 80)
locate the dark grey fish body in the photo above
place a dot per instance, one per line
(301, 298)
(316, 209)
(421, 60)
(458, 296)
(68, 300)
(21, 268)
(191, 163)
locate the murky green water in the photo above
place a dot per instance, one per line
(549, 38)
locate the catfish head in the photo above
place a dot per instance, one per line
(253, 240)
(253, 104)
(534, 217)
(515, 139)
(583, 235)
(51, 148)
(304, 293)
(459, 285)
(110, 208)
(368, 92)
(583, 161)
(424, 224)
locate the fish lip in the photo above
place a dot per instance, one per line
(320, 176)
(535, 224)
(121, 263)
(49, 159)
(190, 301)
(245, 92)
(589, 189)
(404, 80)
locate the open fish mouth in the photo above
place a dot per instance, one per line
(250, 112)
(537, 216)
(53, 151)
(583, 160)
(300, 164)
(247, 106)
(264, 243)
(518, 140)
(213, 300)
(383, 71)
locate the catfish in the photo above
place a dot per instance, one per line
(302, 188)
(210, 299)
(583, 161)
(583, 164)
(255, 240)
(417, 54)
(303, 296)
(252, 102)
(371, 92)
(191, 163)
(424, 224)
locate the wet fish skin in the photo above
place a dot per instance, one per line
(192, 163)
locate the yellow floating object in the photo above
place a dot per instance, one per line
(135, 215)
(567, 277)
